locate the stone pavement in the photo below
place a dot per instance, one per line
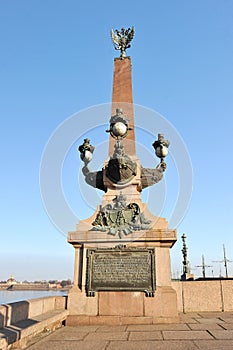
(207, 331)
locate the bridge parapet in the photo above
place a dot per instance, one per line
(21, 321)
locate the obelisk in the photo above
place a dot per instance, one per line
(122, 97)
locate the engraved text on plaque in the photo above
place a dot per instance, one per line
(118, 269)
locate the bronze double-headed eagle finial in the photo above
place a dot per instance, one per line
(121, 39)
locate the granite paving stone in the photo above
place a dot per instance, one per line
(68, 336)
(82, 328)
(158, 327)
(210, 314)
(156, 335)
(210, 320)
(70, 345)
(205, 334)
(111, 328)
(190, 314)
(227, 325)
(214, 344)
(171, 327)
(224, 334)
(152, 345)
(141, 327)
(226, 319)
(107, 336)
(216, 314)
(187, 319)
(186, 335)
(205, 326)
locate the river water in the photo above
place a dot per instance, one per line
(8, 296)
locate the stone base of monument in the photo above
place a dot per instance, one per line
(119, 308)
(123, 282)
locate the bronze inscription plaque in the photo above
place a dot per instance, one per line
(120, 269)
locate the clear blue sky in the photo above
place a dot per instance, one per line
(57, 59)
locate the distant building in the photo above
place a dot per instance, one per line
(11, 280)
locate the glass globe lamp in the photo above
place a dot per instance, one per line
(119, 129)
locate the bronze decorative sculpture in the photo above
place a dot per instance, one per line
(120, 217)
(121, 39)
(121, 170)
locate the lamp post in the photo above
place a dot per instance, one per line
(186, 269)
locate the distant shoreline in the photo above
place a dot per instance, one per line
(28, 287)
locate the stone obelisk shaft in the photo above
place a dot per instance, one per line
(122, 97)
